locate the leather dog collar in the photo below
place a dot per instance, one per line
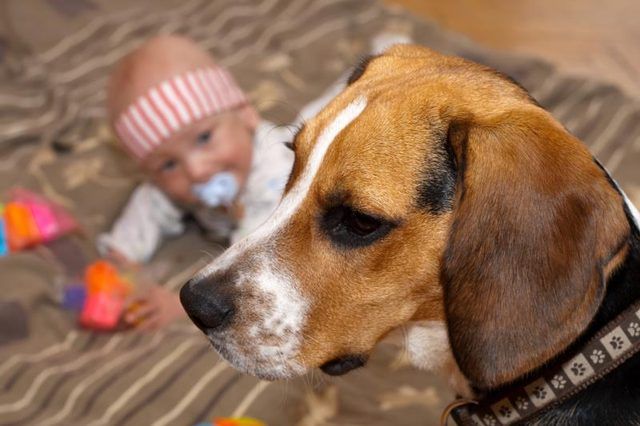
(618, 341)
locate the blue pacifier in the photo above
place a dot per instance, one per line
(220, 190)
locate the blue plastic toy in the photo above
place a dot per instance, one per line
(4, 248)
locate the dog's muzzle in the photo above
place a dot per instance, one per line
(249, 324)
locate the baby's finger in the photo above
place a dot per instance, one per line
(137, 312)
(150, 323)
(133, 300)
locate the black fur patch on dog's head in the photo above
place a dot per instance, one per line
(437, 189)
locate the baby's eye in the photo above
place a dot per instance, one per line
(168, 165)
(203, 138)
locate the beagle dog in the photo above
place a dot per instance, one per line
(433, 195)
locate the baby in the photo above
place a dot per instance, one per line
(204, 150)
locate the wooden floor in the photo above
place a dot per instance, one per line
(593, 37)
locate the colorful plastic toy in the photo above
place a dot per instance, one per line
(52, 220)
(74, 297)
(31, 219)
(22, 230)
(106, 292)
(45, 220)
(236, 421)
(4, 247)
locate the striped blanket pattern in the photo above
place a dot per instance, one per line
(284, 53)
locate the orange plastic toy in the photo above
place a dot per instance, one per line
(22, 231)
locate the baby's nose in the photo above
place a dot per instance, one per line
(199, 170)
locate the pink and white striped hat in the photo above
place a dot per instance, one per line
(175, 103)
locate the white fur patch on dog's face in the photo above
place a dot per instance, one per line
(266, 340)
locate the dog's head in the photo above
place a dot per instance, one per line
(431, 188)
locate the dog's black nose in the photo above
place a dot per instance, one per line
(209, 302)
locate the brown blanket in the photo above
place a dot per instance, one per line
(53, 139)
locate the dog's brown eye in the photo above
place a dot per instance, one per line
(360, 223)
(349, 228)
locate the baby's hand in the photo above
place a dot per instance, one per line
(120, 260)
(155, 309)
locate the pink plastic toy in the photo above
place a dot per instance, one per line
(45, 220)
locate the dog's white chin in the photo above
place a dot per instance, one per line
(283, 372)
(274, 367)
(266, 370)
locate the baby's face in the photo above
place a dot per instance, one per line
(212, 145)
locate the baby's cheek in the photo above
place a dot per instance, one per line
(242, 158)
(177, 187)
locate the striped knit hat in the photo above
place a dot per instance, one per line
(175, 103)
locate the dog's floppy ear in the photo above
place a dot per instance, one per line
(535, 223)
